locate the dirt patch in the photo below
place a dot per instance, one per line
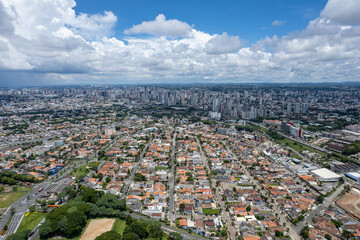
(351, 203)
(3, 197)
(96, 228)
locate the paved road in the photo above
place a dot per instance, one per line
(11, 145)
(21, 206)
(327, 202)
(218, 198)
(296, 140)
(171, 212)
(130, 179)
(282, 218)
(168, 229)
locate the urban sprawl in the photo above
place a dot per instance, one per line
(248, 162)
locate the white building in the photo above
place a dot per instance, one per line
(325, 175)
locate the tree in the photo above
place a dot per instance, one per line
(347, 235)
(139, 228)
(32, 208)
(111, 201)
(45, 230)
(155, 231)
(108, 179)
(328, 237)
(91, 195)
(139, 177)
(320, 199)
(20, 235)
(279, 233)
(2, 189)
(182, 207)
(130, 236)
(305, 232)
(248, 208)
(111, 235)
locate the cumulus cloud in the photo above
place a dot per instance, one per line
(161, 27)
(343, 11)
(223, 44)
(278, 23)
(62, 46)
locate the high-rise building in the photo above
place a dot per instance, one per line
(304, 108)
(297, 108)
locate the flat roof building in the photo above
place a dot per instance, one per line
(325, 175)
(353, 175)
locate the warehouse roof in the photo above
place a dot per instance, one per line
(325, 173)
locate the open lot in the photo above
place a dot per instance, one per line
(7, 198)
(96, 228)
(351, 202)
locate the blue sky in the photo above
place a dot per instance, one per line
(251, 20)
(62, 42)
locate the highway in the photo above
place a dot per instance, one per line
(171, 212)
(21, 206)
(11, 145)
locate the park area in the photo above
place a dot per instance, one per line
(351, 202)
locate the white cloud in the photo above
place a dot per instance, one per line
(161, 27)
(345, 12)
(223, 44)
(278, 23)
(68, 47)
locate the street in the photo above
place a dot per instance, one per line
(171, 212)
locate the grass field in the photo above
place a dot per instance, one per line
(83, 170)
(119, 226)
(6, 199)
(211, 211)
(31, 221)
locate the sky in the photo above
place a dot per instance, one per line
(64, 42)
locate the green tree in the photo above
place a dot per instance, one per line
(20, 235)
(130, 236)
(45, 230)
(111, 235)
(279, 233)
(305, 232)
(32, 208)
(347, 235)
(328, 237)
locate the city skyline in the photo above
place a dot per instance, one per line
(65, 42)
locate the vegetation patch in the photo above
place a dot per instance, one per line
(30, 221)
(119, 226)
(6, 199)
(211, 211)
